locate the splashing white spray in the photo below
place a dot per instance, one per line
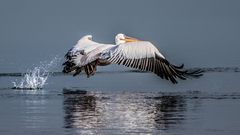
(37, 77)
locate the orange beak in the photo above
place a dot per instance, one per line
(130, 39)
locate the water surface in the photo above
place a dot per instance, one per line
(140, 103)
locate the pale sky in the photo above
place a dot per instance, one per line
(199, 33)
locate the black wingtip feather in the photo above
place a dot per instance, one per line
(184, 74)
(173, 72)
(195, 73)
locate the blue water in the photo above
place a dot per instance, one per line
(123, 102)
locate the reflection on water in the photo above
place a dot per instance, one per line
(123, 112)
(170, 111)
(79, 107)
(34, 115)
(73, 111)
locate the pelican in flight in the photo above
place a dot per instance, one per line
(131, 52)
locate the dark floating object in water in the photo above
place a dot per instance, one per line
(74, 91)
(221, 69)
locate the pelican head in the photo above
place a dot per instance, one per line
(85, 38)
(122, 38)
(89, 37)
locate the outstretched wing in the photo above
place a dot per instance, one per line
(75, 57)
(82, 47)
(84, 55)
(145, 56)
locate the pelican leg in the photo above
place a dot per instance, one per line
(86, 70)
(77, 71)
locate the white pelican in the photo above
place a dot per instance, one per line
(128, 51)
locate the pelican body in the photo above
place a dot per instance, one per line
(143, 55)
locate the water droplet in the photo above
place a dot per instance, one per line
(37, 77)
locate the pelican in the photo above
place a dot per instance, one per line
(128, 51)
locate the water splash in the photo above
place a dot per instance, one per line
(37, 77)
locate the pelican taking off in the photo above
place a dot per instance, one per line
(131, 52)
